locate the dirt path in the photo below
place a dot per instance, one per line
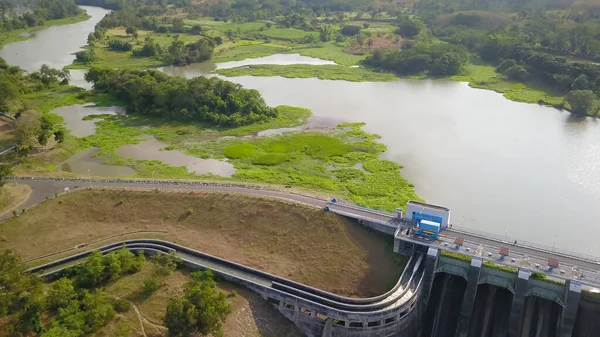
(143, 319)
(139, 315)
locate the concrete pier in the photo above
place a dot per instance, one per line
(518, 303)
(466, 309)
(569, 314)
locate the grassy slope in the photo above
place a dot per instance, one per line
(12, 195)
(13, 36)
(304, 244)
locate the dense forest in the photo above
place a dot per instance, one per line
(201, 99)
(18, 15)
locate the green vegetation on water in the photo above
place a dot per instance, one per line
(324, 72)
(485, 77)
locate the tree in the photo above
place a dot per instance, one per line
(326, 33)
(516, 72)
(61, 294)
(8, 92)
(91, 273)
(350, 30)
(20, 289)
(501, 68)
(268, 25)
(581, 83)
(28, 129)
(180, 317)
(409, 28)
(131, 30)
(448, 64)
(5, 172)
(178, 25)
(196, 30)
(149, 287)
(202, 309)
(59, 331)
(582, 101)
(98, 310)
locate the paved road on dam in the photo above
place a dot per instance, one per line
(526, 257)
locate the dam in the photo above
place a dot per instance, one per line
(456, 283)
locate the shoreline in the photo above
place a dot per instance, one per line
(14, 35)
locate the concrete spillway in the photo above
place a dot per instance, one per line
(541, 319)
(441, 318)
(491, 312)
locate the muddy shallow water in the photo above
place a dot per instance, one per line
(74, 114)
(83, 163)
(152, 149)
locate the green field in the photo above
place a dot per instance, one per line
(324, 72)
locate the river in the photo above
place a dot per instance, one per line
(523, 170)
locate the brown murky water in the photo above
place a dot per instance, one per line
(83, 163)
(152, 149)
(74, 114)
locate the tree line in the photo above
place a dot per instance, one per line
(429, 59)
(15, 15)
(200, 99)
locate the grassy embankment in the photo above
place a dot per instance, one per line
(304, 244)
(15, 35)
(12, 195)
(250, 315)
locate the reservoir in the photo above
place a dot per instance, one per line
(514, 169)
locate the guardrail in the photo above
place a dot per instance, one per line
(530, 245)
(490, 236)
(315, 295)
(361, 208)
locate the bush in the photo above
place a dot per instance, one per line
(350, 30)
(118, 45)
(121, 305)
(271, 159)
(149, 287)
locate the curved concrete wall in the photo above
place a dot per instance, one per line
(316, 312)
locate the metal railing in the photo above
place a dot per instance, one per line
(531, 245)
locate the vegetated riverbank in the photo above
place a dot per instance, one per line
(484, 76)
(323, 72)
(262, 38)
(26, 33)
(304, 244)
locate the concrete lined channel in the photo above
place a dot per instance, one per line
(375, 316)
